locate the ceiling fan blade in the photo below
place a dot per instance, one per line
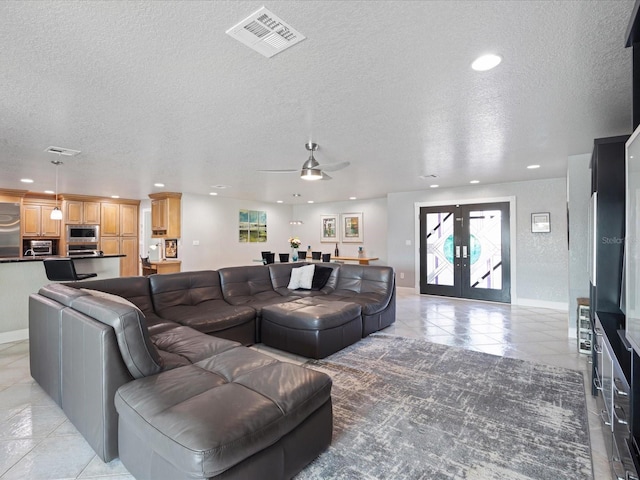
(333, 167)
(279, 171)
(326, 177)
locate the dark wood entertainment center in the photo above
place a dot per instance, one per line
(611, 356)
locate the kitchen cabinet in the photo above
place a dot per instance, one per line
(82, 213)
(36, 221)
(165, 214)
(119, 234)
(110, 219)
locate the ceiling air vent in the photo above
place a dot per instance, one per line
(67, 152)
(265, 33)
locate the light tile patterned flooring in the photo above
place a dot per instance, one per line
(38, 442)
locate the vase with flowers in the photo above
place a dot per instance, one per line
(294, 242)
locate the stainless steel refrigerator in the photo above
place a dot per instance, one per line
(9, 230)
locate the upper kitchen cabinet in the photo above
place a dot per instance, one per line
(165, 214)
(36, 219)
(81, 213)
(119, 219)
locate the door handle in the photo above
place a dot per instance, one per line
(457, 251)
(464, 251)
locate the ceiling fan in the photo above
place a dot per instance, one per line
(311, 169)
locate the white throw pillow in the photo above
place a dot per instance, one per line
(301, 277)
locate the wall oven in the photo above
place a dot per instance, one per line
(83, 233)
(82, 249)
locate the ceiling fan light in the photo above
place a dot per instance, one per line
(56, 214)
(311, 174)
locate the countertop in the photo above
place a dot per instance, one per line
(39, 258)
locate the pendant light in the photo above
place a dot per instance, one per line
(310, 170)
(56, 213)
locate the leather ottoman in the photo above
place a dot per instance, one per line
(311, 327)
(236, 415)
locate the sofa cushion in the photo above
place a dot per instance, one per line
(134, 289)
(250, 286)
(184, 288)
(139, 354)
(209, 317)
(184, 346)
(240, 283)
(301, 277)
(207, 417)
(110, 296)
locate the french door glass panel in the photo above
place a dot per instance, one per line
(440, 248)
(485, 249)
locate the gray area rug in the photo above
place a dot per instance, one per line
(410, 409)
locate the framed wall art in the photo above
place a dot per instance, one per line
(252, 226)
(329, 228)
(541, 222)
(171, 248)
(352, 228)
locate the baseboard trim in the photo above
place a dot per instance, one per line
(14, 336)
(531, 302)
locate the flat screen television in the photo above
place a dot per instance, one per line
(630, 298)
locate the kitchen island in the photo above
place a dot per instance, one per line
(22, 276)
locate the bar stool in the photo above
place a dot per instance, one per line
(64, 270)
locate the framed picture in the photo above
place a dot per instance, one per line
(171, 248)
(541, 222)
(352, 228)
(329, 228)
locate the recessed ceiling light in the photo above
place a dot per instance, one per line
(115, 196)
(160, 185)
(26, 180)
(213, 193)
(434, 186)
(50, 192)
(279, 201)
(486, 62)
(531, 167)
(353, 198)
(309, 201)
(474, 181)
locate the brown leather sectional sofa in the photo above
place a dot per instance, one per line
(153, 369)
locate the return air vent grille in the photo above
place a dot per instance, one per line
(67, 152)
(265, 33)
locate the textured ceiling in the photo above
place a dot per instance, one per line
(157, 92)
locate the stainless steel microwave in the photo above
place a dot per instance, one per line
(83, 233)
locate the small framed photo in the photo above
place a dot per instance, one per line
(352, 228)
(541, 222)
(171, 248)
(329, 228)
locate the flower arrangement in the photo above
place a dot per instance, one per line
(294, 242)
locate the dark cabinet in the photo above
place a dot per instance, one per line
(612, 359)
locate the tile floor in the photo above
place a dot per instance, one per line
(38, 442)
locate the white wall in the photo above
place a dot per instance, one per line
(374, 219)
(578, 197)
(541, 258)
(213, 222)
